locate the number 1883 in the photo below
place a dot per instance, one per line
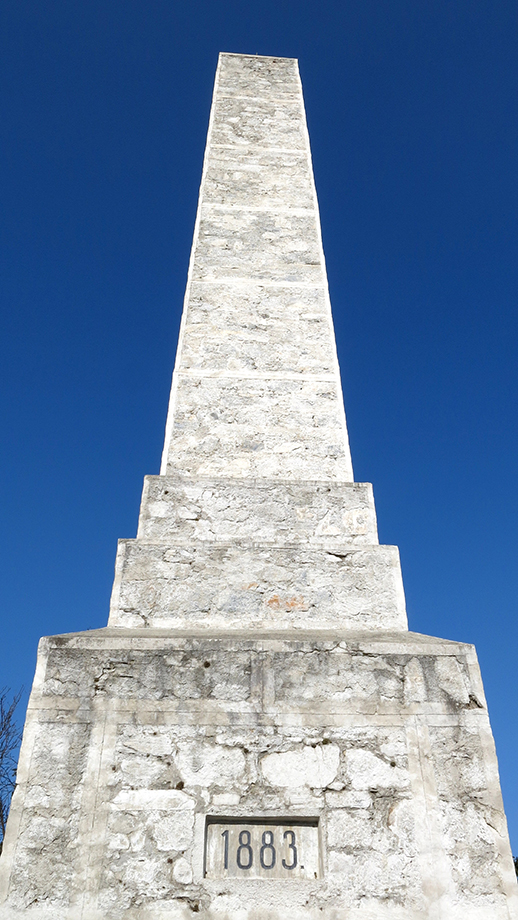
(267, 853)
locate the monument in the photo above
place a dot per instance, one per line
(256, 735)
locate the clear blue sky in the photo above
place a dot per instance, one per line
(412, 110)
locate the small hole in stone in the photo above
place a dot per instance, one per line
(326, 740)
(195, 907)
(169, 860)
(392, 763)
(179, 785)
(206, 664)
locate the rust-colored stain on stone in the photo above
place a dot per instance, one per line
(286, 603)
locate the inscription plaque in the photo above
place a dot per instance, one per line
(262, 848)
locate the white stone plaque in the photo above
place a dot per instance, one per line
(262, 848)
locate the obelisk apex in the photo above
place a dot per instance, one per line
(256, 388)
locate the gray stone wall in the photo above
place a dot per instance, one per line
(231, 586)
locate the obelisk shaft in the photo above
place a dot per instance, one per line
(256, 388)
(255, 521)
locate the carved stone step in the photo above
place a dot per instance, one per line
(179, 509)
(238, 585)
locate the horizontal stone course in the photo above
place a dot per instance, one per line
(176, 510)
(259, 122)
(314, 670)
(241, 584)
(257, 76)
(233, 330)
(283, 429)
(257, 245)
(256, 178)
(258, 329)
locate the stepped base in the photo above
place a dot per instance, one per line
(176, 509)
(232, 586)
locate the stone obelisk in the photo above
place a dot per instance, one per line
(256, 735)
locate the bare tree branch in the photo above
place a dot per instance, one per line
(10, 737)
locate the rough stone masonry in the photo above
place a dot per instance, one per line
(256, 735)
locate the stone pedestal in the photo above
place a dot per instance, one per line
(256, 735)
(137, 740)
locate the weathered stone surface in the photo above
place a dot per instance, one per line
(176, 510)
(258, 428)
(315, 767)
(253, 75)
(370, 764)
(234, 329)
(258, 178)
(277, 248)
(238, 585)
(259, 121)
(50, 825)
(257, 670)
(257, 281)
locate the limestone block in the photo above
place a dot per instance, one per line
(352, 676)
(254, 328)
(176, 510)
(182, 871)
(312, 766)
(451, 679)
(233, 585)
(365, 770)
(370, 877)
(170, 800)
(208, 764)
(353, 831)
(259, 121)
(172, 673)
(239, 73)
(279, 429)
(415, 685)
(257, 245)
(169, 818)
(349, 799)
(255, 178)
